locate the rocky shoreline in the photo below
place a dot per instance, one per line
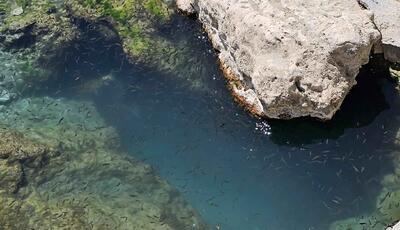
(289, 59)
(282, 60)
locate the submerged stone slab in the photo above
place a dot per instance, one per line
(287, 59)
(87, 183)
(387, 19)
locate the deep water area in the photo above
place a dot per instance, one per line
(239, 172)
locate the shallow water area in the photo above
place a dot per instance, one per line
(238, 171)
(241, 175)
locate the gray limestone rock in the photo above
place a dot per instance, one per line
(387, 19)
(287, 59)
(395, 227)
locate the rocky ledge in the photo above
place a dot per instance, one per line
(287, 59)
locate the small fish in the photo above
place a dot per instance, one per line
(326, 206)
(339, 173)
(356, 169)
(314, 158)
(59, 121)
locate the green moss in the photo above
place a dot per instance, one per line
(139, 46)
(156, 7)
(139, 42)
(123, 11)
(119, 12)
(23, 3)
(4, 6)
(135, 20)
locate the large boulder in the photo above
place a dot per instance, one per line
(387, 19)
(287, 59)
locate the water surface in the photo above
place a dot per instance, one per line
(238, 171)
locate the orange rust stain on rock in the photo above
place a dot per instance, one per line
(234, 82)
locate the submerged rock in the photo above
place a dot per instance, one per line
(52, 33)
(387, 206)
(10, 176)
(17, 74)
(288, 59)
(387, 19)
(18, 156)
(91, 184)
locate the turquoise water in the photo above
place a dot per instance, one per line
(244, 173)
(240, 172)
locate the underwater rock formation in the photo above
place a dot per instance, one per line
(47, 33)
(47, 27)
(18, 156)
(289, 59)
(387, 19)
(90, 184)
(387, 205)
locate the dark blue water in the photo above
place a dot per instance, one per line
(240, 172)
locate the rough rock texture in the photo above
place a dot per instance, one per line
(395, 227)
(90, 184)
(287, 59)
(395, 73)
(19, 155)
(186, 6)
(387, 19)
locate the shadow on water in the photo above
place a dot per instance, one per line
(225, 162)
(360, 108)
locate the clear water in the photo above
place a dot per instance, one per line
(240, 172)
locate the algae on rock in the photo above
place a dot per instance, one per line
(48, 30)
(91, 184)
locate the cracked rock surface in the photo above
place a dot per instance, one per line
(387, 19)
(287, 59)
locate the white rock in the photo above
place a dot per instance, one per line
(5, 96)
(17, 11)
(387, 19)
(186, 6)
(396, 227)
(289, 58)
